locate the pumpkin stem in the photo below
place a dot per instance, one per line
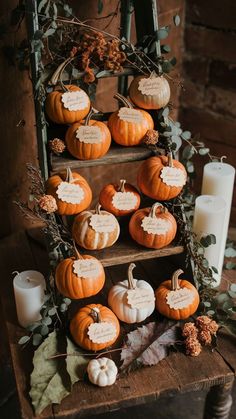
(69, 175)
(152, 213)
(222, 158)
(98, 209)
(89, 116)
(131, 283)
(175, 280)
(95, 313)
(170, 159)
(122, 185)
(77, 254)
(54, 79)
(123, 100)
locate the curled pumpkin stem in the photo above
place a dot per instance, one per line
(122, 185)
(154, 208)
(170, 160)
(98, 209)
(95, 313)
(123, 100)
(69, 175)
(131, 282)
(175, 280)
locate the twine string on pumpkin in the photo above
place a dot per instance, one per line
(95, 313)
(122, 185)
(175, 280)
(131, 282)
(123, 100)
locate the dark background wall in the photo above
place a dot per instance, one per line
(207, 101)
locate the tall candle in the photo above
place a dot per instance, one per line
(208, 215)
(29, 289)
(218, 179)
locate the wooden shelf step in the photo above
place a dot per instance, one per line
(126, 251)
(116, 154)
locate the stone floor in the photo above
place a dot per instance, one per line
(184, 406)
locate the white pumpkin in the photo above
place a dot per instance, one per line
(149, 92)
(132, 300)
(95, 229)
(102, 371)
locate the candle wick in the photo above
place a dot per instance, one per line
(222, 158)
(28, 279)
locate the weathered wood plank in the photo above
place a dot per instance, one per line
(116, 154)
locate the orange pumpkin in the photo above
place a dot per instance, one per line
(89, 139)
(80, 326)
(150, 179)
(149, 92)
(177, 298)
(153, 227)
(119, 199)
(58, 105)
(66, 184)
(95, 229)
(127, 125)
(80, 276)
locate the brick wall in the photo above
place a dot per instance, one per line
(209, 99)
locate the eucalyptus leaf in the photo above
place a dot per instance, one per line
(186, 135)
(52, 311)
(76, 365)
(176, 20)
(232, 294)
(49, 379)
(222, 297)
(44, 330)
(23, 340)
(162, 34)
(203, 151)
(188, 152)
(189, 167)
(49, 32)
(233, 287)
(47, 321)
(165, 48)
(177, 141)
(230, 252)
(67, 301)
(63, 307)
(230, 265)
(37, 339)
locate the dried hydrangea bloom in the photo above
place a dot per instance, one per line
(48, 204)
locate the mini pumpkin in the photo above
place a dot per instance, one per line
(94, 327)
(80, 276)
(67, 104)
(102, 371)
(119, 199)
(149, 92)
(89, 139)
(161, 178)
(132, 300)
(71, 191)
(153, 227)
(128, 125)
(177, 298)
(95, 229)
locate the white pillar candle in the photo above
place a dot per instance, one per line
(29, 289)
(218, 179)
(208, 215)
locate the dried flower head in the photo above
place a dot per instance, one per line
(193, 346)
(202, 322)
(204, 337)
(213, 327)
(151, 137)
(189, 330)
(48, 204)
(57, 145)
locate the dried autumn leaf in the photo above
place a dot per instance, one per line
(147, 345)
(75, 365)
(49, 380)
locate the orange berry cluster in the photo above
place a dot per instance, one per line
(199, 334)
(94, 51)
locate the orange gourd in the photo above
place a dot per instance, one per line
(129, 130)
(157, 91)
(112, 196)
(151, 183)
(89, 139)
(88, 280)
(87, 316)
(57, 186)
(58, 112)
(153, 227)
(88, 229)
(177, 298)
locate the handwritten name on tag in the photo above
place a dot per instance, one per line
(130, 115)
(87, 268)
(180, 298)
(155, 225)
(75, 101)
(124, 200)
(150, 86)
(89, 135)
(101, 332)
(140, 298)
(173, 176)
(103, 223)
(68, 192)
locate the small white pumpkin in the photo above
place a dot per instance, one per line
(143, 300)
(102, 371)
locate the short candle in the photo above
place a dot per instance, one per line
(208, 215)
(29, 289)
